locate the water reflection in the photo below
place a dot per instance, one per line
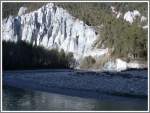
(18, 99)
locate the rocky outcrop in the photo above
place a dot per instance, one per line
(120, 65)
(51, 27)
(130, 16)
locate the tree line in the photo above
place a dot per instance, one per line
(22, 55)
(125, 40)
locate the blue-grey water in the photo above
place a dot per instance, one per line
(32, 99)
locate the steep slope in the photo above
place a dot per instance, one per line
(51, 27)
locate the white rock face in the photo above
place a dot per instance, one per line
(130, 16)
(51, 27)
(22, 11)
(145, 27)
(121, 65)
(143, 18)
(97, 52)
(110, 66)
(136, 13)
(133, 65)
(117, 65)
(117, 14)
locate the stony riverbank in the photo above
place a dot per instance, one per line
(127, 83)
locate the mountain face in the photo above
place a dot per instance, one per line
(51, 27)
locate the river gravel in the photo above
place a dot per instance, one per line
(127, 83)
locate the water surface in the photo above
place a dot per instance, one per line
(25, 98)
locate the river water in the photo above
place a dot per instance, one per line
(15, 99)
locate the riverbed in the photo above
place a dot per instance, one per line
(74, 90)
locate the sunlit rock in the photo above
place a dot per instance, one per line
(51, 27)
(22, 11)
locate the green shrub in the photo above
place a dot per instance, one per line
(87, 62)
